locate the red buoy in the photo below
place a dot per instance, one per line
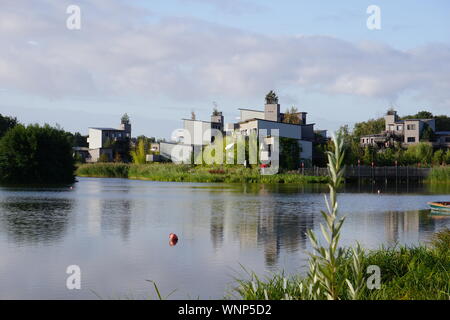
(173, 239)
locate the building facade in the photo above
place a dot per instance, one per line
(108, 141)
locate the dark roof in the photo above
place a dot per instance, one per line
(106, 129)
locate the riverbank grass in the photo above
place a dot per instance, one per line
(337, 273)
(407, 273)
(187, 173)
(439, 175)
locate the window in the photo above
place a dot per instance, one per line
(399, 128)
(411, 127)
(447, 139)
(411, 139)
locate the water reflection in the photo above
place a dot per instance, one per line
(116, 215)
(113, 226)
(35, 220)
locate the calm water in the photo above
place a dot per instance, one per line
(117, 232)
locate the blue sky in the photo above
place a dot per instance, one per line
(160, 60)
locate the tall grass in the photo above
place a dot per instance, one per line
(103, 170)
(188, 173)
(407, 273)
(439, 175)
(339, 273)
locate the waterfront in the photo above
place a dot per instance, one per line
(117, 231)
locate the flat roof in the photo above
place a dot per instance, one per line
(196, 120)
(251, 110)
(293, 124)
(106, 129)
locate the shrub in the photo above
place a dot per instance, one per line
(35, 154)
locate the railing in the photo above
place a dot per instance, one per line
(372, 172)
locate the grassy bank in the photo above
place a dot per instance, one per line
(439, 175)
(187, 173)
(414, 273)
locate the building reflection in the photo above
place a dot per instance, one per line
(29, 220)
(266, 222)
(116, 215)
(399, 223)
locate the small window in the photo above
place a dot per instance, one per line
(411, 139)
(447, 139)
(411, 127)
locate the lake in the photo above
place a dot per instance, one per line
(117, 232)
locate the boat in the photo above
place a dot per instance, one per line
(440, 206)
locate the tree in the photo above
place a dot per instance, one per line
(125, 119)
(271, 97)
(35, 154)
(103, 158)
(139, 155)
(438, 157)
(289, 153)
(427, 133)
(420, 115)
(446, 157)
(372, 126)
(291, 116)
(6, 123)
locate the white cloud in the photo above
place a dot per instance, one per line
(124, 51)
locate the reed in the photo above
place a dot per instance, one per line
(187, 173)
(439, 175)
(339, 273)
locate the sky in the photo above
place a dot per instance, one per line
(160, 60)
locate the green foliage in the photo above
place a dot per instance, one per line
(439, 175)
(188, 173)
(103, 158)
(271, 97)
(373, 126)
(420, 115)
(291, 116)
(35, 154)
(407, 273)
(289, 154)
(103, 170)
(427, 133)
(139, 155)
(438, 157)
(419, 153)
(125, 119)
(6, 123)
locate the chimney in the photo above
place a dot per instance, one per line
(272, 112)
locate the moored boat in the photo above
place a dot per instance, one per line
(440, 206)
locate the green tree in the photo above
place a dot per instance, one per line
(438, 157)
(271, 97)
(446, 157)
(35, 154)
(139, 155)
(289, 153)
(6, 123)
(291, 116)
(103, 158)
(427, 133)
(373, 126)
(125, 119)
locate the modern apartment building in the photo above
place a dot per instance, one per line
(198, 133)
(108, 141)
(406, 132)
